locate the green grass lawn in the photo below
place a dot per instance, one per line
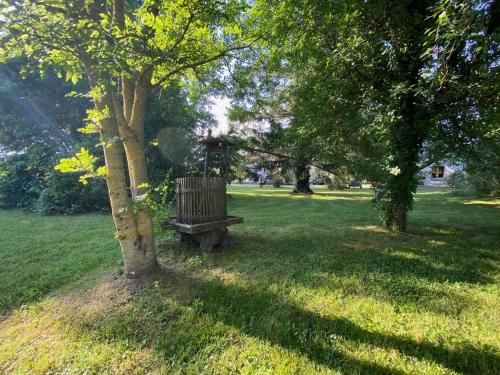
(306, 285)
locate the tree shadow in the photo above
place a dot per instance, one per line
(355, 255)
(270, 317)
(405, 279)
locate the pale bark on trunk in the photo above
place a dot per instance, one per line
(134, 226)
(131, 132)
(133, 221)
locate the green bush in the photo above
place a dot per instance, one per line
(474, 181)
(287, 177)
(459, 182)
(277, 180)
(28, 180)
(65, 194)
(161, 197)
(484, 182)
(338, 183)
(19, 184)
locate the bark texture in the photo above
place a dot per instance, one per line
(302, 176)
(124, 151)
(133, 224)
(407, 134)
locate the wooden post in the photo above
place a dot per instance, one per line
(205, 171)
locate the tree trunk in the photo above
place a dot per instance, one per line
(400, 217)
(134, 227)
(407, 134)
(301, 170)
(134, 230)
(136, 160)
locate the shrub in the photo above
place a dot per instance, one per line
(28, 180)
(484, 182)
(337, 183)
(277, 180)
(19, 184)
(483, 171)
(162, 196)
(459, 182)
(65, 194)
(474, 181)
(287, 177)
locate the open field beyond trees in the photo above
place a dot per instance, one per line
(306, 285)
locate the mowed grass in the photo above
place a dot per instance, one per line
(40, 254)
(306, 285)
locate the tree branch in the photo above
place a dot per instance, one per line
(199, 63)
(184, 31)
(125, 131)
(142, 88)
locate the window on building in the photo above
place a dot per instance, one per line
(437, 171)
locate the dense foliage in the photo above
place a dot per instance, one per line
(20, 182)
(382, 88)
(39, 121)
(28, 180)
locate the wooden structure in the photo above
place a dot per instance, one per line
(201, 204)
(202, 211)
(200, 199)
(211, 144)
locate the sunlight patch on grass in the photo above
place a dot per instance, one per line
(433, 191)
(51, 337)
(330, 196)
(372, 228)
(437, 243)
(486, 202)
(305, 286)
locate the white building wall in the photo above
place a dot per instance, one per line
(449, 169)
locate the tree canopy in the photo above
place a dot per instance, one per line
(383, 87)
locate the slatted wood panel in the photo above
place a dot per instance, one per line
(200, 199)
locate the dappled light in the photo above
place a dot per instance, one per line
(488, 202)
(334, 297)
(372, 228)
(223, 187)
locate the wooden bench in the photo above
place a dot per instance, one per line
(207, 235)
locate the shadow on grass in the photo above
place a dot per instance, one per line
(407, 279)
(266, 316)
(328, 247)
(332, 244)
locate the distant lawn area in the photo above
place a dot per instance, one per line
(307, 285)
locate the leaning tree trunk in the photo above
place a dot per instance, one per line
(301, 170)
